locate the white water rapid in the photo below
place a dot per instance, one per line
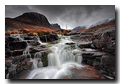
(41, 41)
(62, 58)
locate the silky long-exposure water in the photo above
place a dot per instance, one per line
(61, 60)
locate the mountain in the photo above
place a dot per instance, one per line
(79, 28)
(56, 26)
(30, 20)
(101, 24)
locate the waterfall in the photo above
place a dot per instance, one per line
(37, 62)
(40, 41)
(11, 68)
(7, 76)
(60, 61)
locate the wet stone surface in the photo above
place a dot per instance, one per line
(87, 72)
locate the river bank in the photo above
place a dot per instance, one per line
(64, 58)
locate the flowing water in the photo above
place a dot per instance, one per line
(41, 41)
(61, 60)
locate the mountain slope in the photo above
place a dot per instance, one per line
(29, 20)
(101, 24)
(79, 28)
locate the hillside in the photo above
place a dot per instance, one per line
(79, 28)
(30, 20)
(101, 24)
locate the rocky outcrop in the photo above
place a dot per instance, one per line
(49, 38)
(81, 36)
(18, 54)
(104, 39)
(103, 62)
(14, 47)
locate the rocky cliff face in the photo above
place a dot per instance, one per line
(104, 39)
(26, 20)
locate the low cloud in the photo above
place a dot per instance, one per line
(72, 15)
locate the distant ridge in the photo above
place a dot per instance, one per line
(103, 22)
(56, 26)
(79, 28)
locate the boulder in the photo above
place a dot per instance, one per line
(105, 40)
(85, 45)
(28, 38)
(49, 38)
(103, 62)
(17, 45)
(108, 63)
(9, 40)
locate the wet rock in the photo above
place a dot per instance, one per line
(8, 41)
(86, 33)
(70, 43)
(7, 64)
(28, 38)
(92, 59)
(97, 65)
(105, 63)
(17, 45)
(13, 53)
(17, 52)
(87, 54)
(108, 63)
(16, 60)
(105, 40)
(49, 38)
(18, 68)
(93, 46)
(45, 58)
(85, 45)
(87, 72)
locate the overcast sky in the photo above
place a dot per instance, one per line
(70, 15)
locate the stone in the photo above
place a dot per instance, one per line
(108, 64)
(105, 40)
(49, 38)
(70, 43)
(96, 65)
(85, 45)
(87, 72)
(28, 38)
(93, 46)
(17, 45)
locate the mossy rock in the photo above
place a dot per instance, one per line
(70, 43)
(12, 74)
(45, 58)
(75, 53)
(35, 44)
(80, 46)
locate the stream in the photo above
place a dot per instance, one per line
(64, 61)
(60, 61)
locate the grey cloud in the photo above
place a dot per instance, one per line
(72, 15)
(15, 10)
